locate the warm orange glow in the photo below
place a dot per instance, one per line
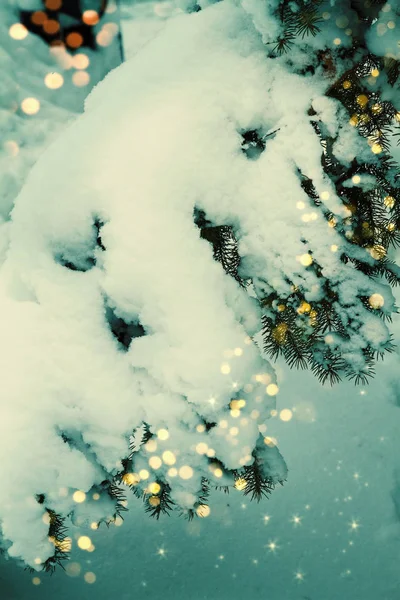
(80, 78)
(18, 31)
(53, 4)
(38, 17)
(30, 106)
(74, 39)
(51, 26)
(90, 17)
(53, 81)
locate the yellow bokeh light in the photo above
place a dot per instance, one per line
(337, 41)
(234, 431)
(218, 472)
(163, 434)
(36, 581)
(18, 31)
(168, 457)
(356, 179)
(270, 441)
(389, 201)
(225, 369)
(154, 488)
(334, 248)
(30, 106)
(376, 301)
(201, 448)
(200, 428)
(272, 389)
(285, 414)
(151, 445)
(89, 577)
(84, 542)
(185, 472)
(240, 484)
(94, 525)
(203, 511)
(130, 478)
(362, 100)
(54, 81)
(172, 472)
(154, 501)
(376, 148)
(238, 351)
(347, 84)
(79, 496)
(96, 496)
(305, 260)
(144, 474)
(155, 462)
(375, 72)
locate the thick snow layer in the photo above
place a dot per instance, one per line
(160, 136)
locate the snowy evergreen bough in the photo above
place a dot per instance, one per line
(233, 178)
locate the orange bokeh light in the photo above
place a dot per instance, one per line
(74, 39)
(53, 4)
(90, 17)
(51, 26)
(38, 17)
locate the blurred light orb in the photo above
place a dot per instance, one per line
(80, 61)
(30, 106)
(18, 31)
(285, 414)
(54, 81)
(90, 17)
(80, 78)
(84, 542)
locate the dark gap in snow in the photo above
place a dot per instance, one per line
(253, 144)
(123, 331)
(209, 426)
(200, 219)
(98, 224)
(40, 498)
(83, 258)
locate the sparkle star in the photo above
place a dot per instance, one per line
(354, 525)
(161, 552)
(272, 546)
(266, 519)
(356, 475)
(296, 520)
(299, 576)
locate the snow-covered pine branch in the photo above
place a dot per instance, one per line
(129, 356)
